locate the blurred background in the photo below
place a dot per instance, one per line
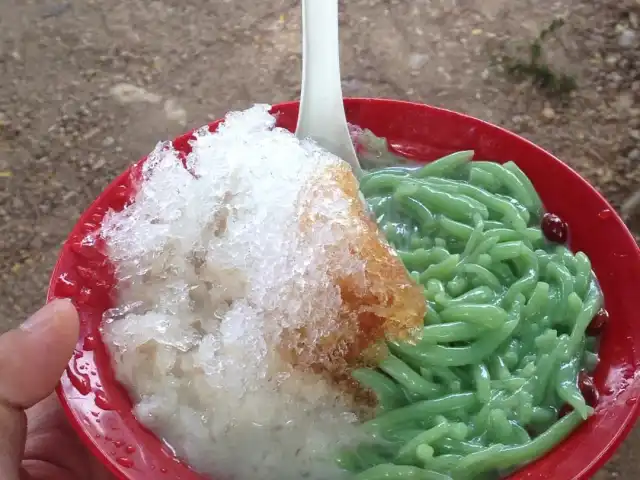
(89, 86)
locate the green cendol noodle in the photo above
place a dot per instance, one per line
(504, 336)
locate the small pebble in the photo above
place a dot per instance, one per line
(128, 93)
(627, 38)
(548, 113)
(612, 59)
(417, 60)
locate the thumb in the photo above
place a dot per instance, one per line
(32, 360)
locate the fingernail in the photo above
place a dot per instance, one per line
(43, 316)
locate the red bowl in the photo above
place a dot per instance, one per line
(100, 409)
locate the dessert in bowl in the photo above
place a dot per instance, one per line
(465, 308)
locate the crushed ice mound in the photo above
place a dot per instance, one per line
(249, 283)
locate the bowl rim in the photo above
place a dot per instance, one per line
(626, 424)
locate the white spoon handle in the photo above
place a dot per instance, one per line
(322, 116)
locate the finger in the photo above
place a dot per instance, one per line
(32, 359)
(53, 450)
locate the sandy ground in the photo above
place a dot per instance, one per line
(88, 86)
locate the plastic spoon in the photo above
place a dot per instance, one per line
(322, 116)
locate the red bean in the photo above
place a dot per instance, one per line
(598, 323)
(565, 410)
(588, 389)
(554, 228)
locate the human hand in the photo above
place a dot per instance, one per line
(36, 442)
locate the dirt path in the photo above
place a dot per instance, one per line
(89, 86)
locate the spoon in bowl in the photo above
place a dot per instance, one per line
(321, 116)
